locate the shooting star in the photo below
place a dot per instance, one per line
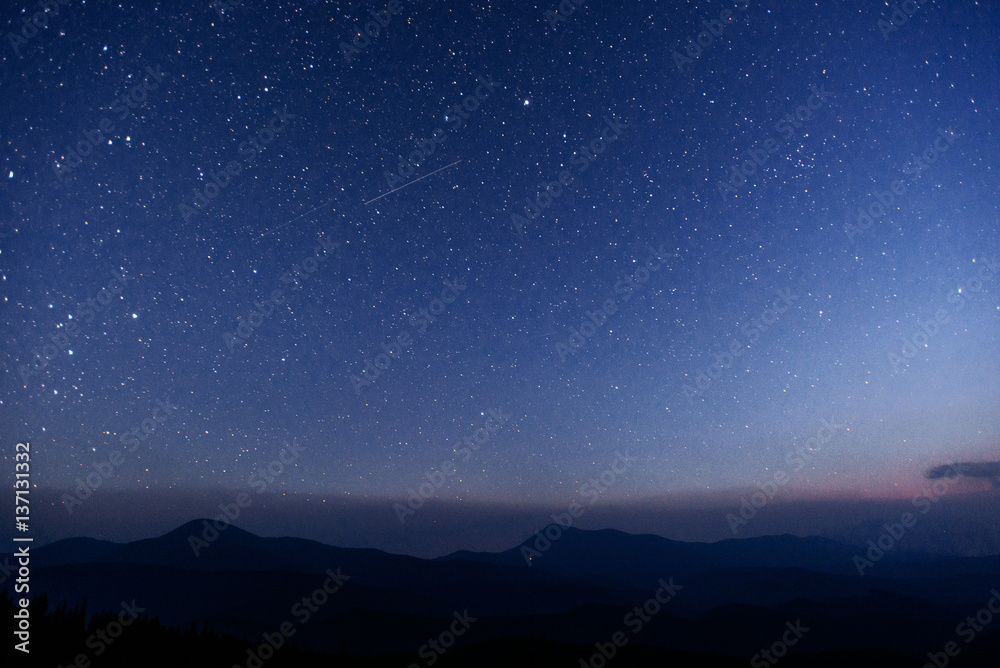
(412, 182)
(302, 215)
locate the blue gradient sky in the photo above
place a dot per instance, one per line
(190, 279)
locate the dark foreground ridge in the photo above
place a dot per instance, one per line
(589, 598)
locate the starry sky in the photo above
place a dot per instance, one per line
(693, 238)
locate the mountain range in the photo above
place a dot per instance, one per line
(561, 591)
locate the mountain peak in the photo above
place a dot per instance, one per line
(202, 526)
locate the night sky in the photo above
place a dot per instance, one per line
(639, 245)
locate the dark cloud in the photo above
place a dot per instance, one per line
(967, 469)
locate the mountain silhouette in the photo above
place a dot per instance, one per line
(727, 598)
